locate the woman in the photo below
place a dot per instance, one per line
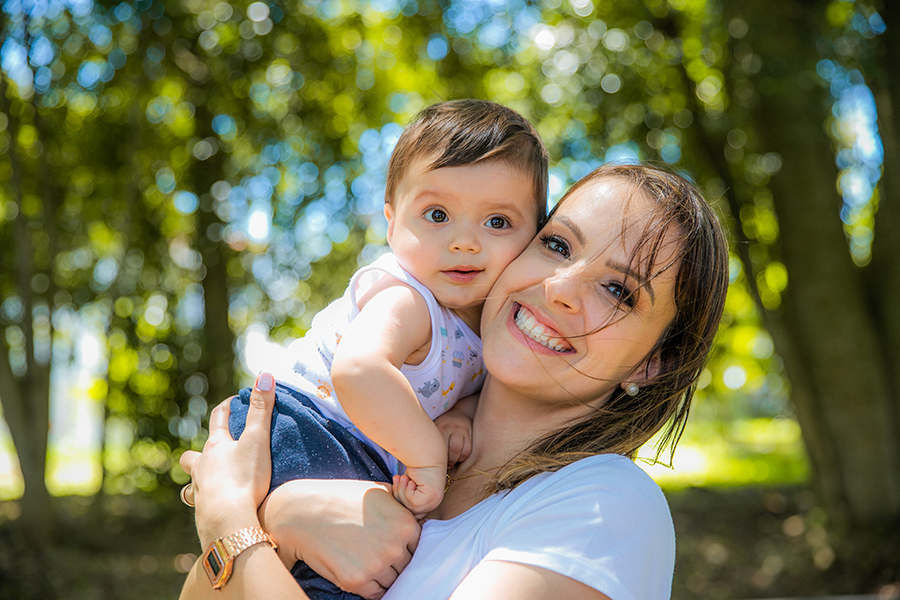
(593, 339)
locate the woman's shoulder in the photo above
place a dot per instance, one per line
(602, 470)
(600, 520)
(602, 484)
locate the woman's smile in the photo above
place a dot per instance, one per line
(534, 330)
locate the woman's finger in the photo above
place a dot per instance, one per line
(387, 577)
(262, 400)
(188, 460)
(403, 560)
(412, 542)
(218, 421)
(372, 590)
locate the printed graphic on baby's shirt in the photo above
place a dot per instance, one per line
(324, 390)
(429, 387)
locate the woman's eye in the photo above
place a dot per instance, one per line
(622, 294)
(436, 215)
(498, 223)
(556, 244)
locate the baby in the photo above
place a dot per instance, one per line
(466, 192)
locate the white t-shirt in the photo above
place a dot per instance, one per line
(601, 521)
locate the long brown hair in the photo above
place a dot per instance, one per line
(624, 423)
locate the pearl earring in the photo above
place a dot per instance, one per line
(632, 389)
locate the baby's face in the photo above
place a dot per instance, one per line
(456, 228)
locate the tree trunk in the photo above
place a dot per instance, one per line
(26, 398)
(884, 271)
(825, 329)
(219, 337)
(219, 346)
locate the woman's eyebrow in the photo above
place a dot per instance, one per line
(576, 230)
(631, 273)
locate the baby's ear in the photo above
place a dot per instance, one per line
(389, 215)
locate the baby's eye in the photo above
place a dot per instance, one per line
(556, 244)
(498, 222)
(436, 215)
(622, 294)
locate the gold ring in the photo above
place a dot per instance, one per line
(184, 495)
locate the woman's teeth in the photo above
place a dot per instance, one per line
(528, 325)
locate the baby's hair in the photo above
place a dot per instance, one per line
(465, 132)
(624, 423)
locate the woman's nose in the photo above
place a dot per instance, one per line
(563, 290)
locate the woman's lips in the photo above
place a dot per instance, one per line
(534, 330)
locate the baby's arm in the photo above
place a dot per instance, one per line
(393, 324)
(455, 426)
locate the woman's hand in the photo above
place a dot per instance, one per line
(351, 532)
(230, 479)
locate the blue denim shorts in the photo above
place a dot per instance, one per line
(308, 445)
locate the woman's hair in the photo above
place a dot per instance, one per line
(624, 423)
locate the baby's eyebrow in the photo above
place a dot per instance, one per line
(503, 206)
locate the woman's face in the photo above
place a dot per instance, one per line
(577, 313)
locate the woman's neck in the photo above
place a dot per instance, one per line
(506, 423)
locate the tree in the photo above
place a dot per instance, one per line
(25, 361)
(839, 347)
(171, 127)
(831, 307)
(187, 169)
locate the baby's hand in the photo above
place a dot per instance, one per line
(420, 489)
(456, 428)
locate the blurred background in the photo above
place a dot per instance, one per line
(183, 184)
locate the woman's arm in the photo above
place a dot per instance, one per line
(516, 581)
(229, 481)
(351, 532)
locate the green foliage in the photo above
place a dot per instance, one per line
(146, 143)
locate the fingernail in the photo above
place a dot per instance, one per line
(265, 382)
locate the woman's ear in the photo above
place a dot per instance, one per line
(652, 367)
(645, 373)
(389, 215)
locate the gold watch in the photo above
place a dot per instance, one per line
(218, 559)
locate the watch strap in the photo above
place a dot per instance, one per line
(242, 539)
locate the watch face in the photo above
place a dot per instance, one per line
(212, 560)
(217, 564)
